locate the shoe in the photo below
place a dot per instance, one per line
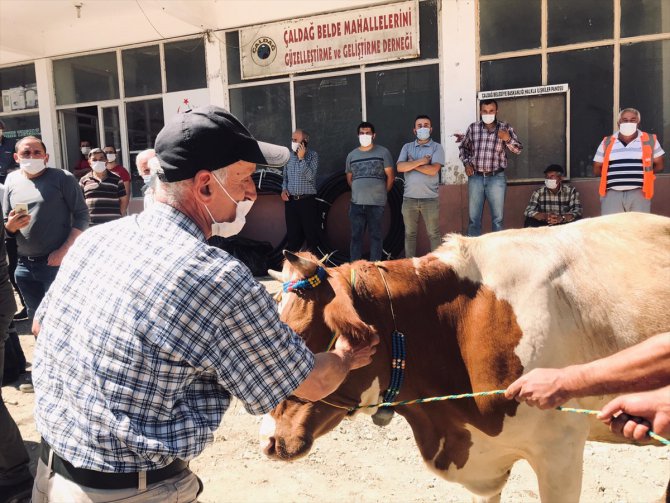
(19, 493)
(21, 315)
(27, 387)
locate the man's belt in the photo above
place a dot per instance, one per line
(489, 173)
(107, 480)
(42, 258)
(298, 197)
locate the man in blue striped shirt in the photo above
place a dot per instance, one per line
(133, 372)
(301, 210)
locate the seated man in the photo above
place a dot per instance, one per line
(553, 204)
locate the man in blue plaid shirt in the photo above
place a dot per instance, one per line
(133, 372)
(555, 203)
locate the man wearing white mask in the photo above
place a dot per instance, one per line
(484, 155)
(159, 351)
(82, 167)
(144, 162)
(421, 161)
(299, 194)
(626, 163)
(555, 203)
(370, 175)
(45, 210)
(104, 191)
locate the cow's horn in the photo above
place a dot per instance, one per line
(301, 264)
(277, 275)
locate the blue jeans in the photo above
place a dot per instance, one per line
(430, 211)
(362, 216)
(492, 189)
(34, 279)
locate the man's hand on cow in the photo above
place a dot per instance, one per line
(356, 356)
(635, 414)
(543, 388)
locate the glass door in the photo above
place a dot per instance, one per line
(76, 125)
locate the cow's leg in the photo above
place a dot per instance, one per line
(487, 499)
(558, 467)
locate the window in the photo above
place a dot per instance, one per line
(589, 71)
(396, 97)
(644, 84)
(185, 65)
(86, 78)
(18, 88)
(509, 25)
(590, 76)
(141, 71)
(330, 109)
(644, 17)
(265, 110)
(21, 125)
(511, 73)
(145, 120)
(573, 21)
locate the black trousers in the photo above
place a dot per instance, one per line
(13, 260)
(302, 223)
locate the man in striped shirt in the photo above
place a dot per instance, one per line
(624, 174)
(104, 191)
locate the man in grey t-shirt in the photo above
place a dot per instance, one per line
(421, 161)
(370, 176)
(44, 209)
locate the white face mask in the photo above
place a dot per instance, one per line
(294, 146)
(227, 229)
(423, 133)
(365, 140)
(148, 179)
(488, 118)
(32, 166)
(111, 157)
(627, 128)
(551, 184)
(85, 150)
(98, 166)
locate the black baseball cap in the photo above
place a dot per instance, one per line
(210, 138)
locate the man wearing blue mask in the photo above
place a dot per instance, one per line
(421, 161)
(133, 372)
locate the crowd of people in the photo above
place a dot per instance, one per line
(133, 372)
(626, 162)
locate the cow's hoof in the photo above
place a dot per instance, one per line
(383, 416)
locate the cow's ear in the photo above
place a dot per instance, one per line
(304, 266)
(341, 316)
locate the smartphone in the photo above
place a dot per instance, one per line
(21, 208)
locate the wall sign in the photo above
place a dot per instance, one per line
(523, 91)
(354, 37)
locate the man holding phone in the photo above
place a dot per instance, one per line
(299, 194)
(44, 209)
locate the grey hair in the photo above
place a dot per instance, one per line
(174, 193)
(95, 151)
(144, 155)
(632, 110)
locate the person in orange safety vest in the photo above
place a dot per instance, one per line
(626, 163)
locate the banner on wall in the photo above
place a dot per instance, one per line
(182, 101)
(354, 37)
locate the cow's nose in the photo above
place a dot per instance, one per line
(269, 448)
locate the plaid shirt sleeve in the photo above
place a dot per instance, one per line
(465, 149)
(533, 207)
(575, 206)
(514, 144)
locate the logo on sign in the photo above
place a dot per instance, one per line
(263, 51)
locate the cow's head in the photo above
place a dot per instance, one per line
(319, 314)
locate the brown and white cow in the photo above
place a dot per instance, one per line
(477, 313)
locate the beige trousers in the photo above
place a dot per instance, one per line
(51, 487)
